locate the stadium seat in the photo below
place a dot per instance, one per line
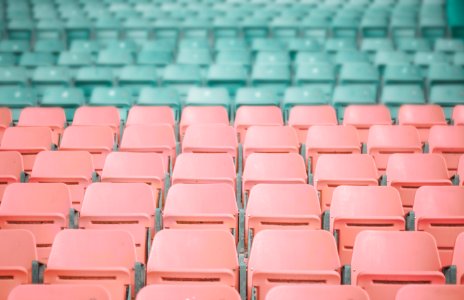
(385, 140)
(358, 73)
(273, 77)
(302, 96)
(73, 59)
(403, 73)
(439, 74)
(17, 257)
(412, 45)
(447, 96)
(195, 115)
(407, 257)
(182, 77)
(88, 78)
(353, 94)
(88, 257)
(408, 172)
(44, 78)
(97, 140)
(272, 168)
(310, 257)
(56, 291)
(394, 96)
(357, 208)
(302, 117)
(458, 262)
(247, 116)
(32, 60)
(151, 115)
(425, 59)
(121, 206)
(196, 256)
(178, 291)
(317, 74)
(98, 116)
(430, 292)
(458, 115)
(44, 209)
(195, 206)
(5, 120)
(256, 96)
(423, 117)
(322, 140)
(52, 117)
(449, 142)
(389, 57)
(11, 169)
(317, 292)
(13, 76)
(74, 168)
(232, 77)
(364, 116)
(209, 97)
(129, 167)
(241, 58)
(160, 97)
(135, 78)
(118, 97)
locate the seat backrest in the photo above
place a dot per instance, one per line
(458, 115)
(53, 117)
(148, 115)
(202, 115)
(89, 138)
(317, 292)
(97, 115)
(247, 116)
(393, 139)
(458, 259)
(449, 142)
(422, 117)
(56, 292)
(430, 292)
(210, 138)
(148, 138)
(5, 117)
(345, 168)
(27, 140)
(17, 252)
(204, 292)
(363, 116)
(270, 139)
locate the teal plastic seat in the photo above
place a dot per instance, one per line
(21, 28)
(121, 45)
(114, 58)
(78, 28)
(48, 77)
(403, 74)
(413, 45)
(449, 46)
(385, 58)
(194, 43)
(274, 77)
(447, 96)
(7, 60)
(231, 77)
(13, 76)
(359, 73)
(255, 28)
(234, 58)
(196, 27)
(458, 59)
(16, 98)
(403, 27)
(162, 45)
(12, 46)
(345, 27)
(199, 57)
(154, 58)
(166, 28)
(107, 28)
(209, 97)
(253, 96)
(226, 27)
(50, 29)
(67, 98)
(267, 44)
(374, 27)
(315, 27)
(425, 59)
(136, 78)
(349, 57)
(54, 47)
(432, 27)
(92, 47)
(285, 28)
(303, 45)
(320, 75)
(305, 58)
(75, 59)
(273, 58)
(88, 78)
(445, 74)
(36, 59)
(353, 94)
(182, 77)
(160, 96)
(454, 12)
(230, 44)
(334, 45)
(118, 97)
(295, 96)
(374, 45)
(396, 95)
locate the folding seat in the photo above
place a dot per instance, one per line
(309, 58)
(36, 59)
(55, 292)
(458, 59)
(5, 120)
(376, 45)
(449, 46)
(230, 44)
(432, 27)
(447, 141)
(7, 60)
(44, 78)
(41, 208)
(364, 116)
(166, 27)
(137, 28)
(226, 26)
(230, 77)
(14, 46)
(253, 28)
(303, 45)
(199, 57)
(320, 75)
(151, 115)
(390, 57)
(374, 27)
(129, 167)
(272, 57)
(114, 58)
(458, 115)
(259, 96)
(394, 96)
(11, 169)
(426, 59)
(182, 77)
(107, 28)
(458, 263)
(13, 76)
(412, 45)
(158, 59)
(302, 117)
(74, 59)
(98, 115)
(78, 28)
(18, 260)
(234, 57)
(334, 45)
(355, 59)
(423, 117)
(136, 78)
(322, 140)
(88, 256)
(407, 257)
(316, 27)
(209, 97)
(302, 96)
(353, 94)
(203, 291)
(273, 168)
(430, 292)
(50, 28)
(273, 77)
(284, 28)
(247, 116)
(67, 98)
(92, 46)
(51, 117)
(310, 257)
(196, 26)
(202, 115)
(89, 78)
(281, 206)
(408, 172)
(317, 292)
(116, 97)
(358, 73)
(160, 96)
(396, 74)
(445, 74)
(358, 208)
(447, 96)
(132, 207)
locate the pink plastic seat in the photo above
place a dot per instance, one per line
(458, 259)
(5, 119)
(150, 115)
(197, 206)
(75, 168)
(270, 139)
(385, 261)
(150, 138)
(297, 257)
(449, 142)
(364, 116)
(317, 292)
(99, 116)
(247, 116)
(202, 115)
(11, 169)
(97, 140)
(460, 172)
(194, 256)
(56, 292)
(430, 292)
(330, 140)
(407, 172)
(358, 208)
(439, 210)
(188, 291)
(282, 206)
(52, 117)
(273, 168)
(204, 168)
(423, 117)
(343, 169)
(41, 208)
(458, 115)
(124, 206)
(210, 138)
(301, 118)
(385, 140)
(103, 257)
(16, 255)
(128, 167)
(28, 141)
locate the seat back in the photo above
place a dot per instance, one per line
(317, 292)
(192, 115)
(423, 117)
(364, 116)
(204, 291)
(430, 292)
(301, 118)
(56, 292)
(449, 142)
(247, 116)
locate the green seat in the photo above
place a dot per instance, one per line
(182, 77)
(136, 78)
(432, 27)
(226, 27)
(121, 45)
(12, 46)
(374, 45)
(50, 29)
(425, 59)
(48, 77)
(13, 76)
(305, 58)
(231, 77)
(458, 59)
(67, 98)
(403, 27)
(78, 28)
(234, 58)
(447, 96)
(445, 74)
(199, 57)
(118, 97)
(320, 75)
(267, 44)
(334, 45)
(209, 97)
(449, 46)
(92, 47)
(230, 44)
(274, 58)
(385, 58)
(285, 28)
(154, 58)
(315, 27)
(88, 78)
(454, 13)
(114, 58)
(253, 28)
(54, 47)
(255, 96)
(194, 43)
(107, 28)
(353, 94)
(413, 45)
(403, 74)
(374, 27)
(75, 59)
(359, 73)
(166, 28)
(196, 27)
(16, 98)
(303, 96)
(303, 45)
(36, 59)
(160, 96)
(162, 45)
(21, 28)
(396, 95)
(274, 77)
(350, 56)
(345, 27)
(7, 60)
